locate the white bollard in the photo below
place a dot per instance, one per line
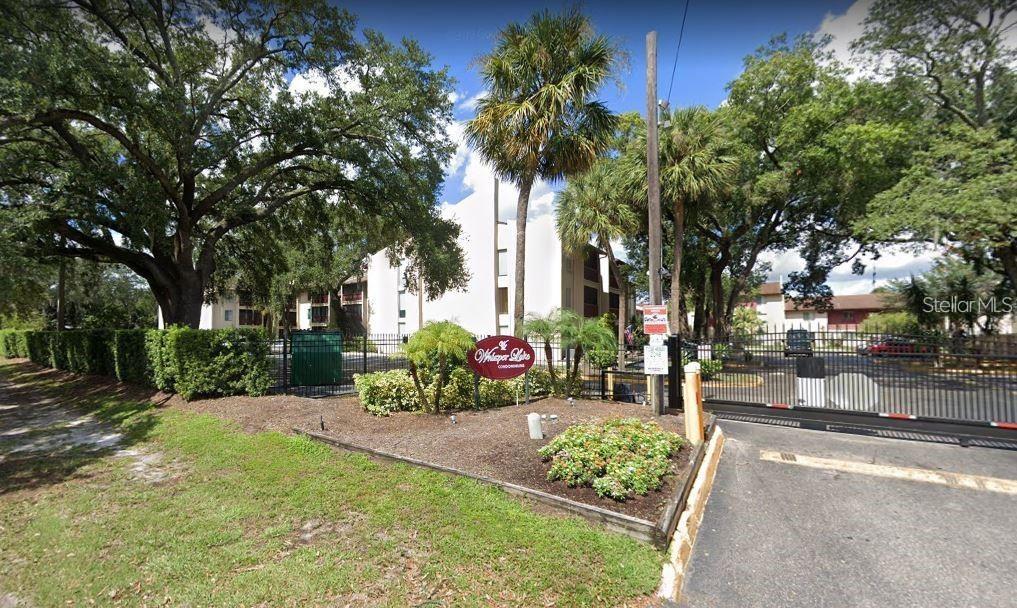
(533, 421)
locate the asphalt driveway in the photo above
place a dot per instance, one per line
(777, 533)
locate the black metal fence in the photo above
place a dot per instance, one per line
(319, 363)
(966, 379)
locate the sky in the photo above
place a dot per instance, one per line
(718, 35)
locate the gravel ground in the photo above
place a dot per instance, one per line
(494, 443)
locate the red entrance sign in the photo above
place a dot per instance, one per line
(654, 319)
(501, 357)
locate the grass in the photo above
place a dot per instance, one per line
(279, 520)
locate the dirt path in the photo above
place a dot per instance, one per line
(36, 428)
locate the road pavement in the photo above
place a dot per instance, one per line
(777, 533)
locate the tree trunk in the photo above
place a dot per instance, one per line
(699, 316)
(717, 296)
(522, 207)
(1008, 257)
(61, 303)
(677, 323)
(549, 355)
(623, 296)
(181, 300)
(420, 389)
(442, 364)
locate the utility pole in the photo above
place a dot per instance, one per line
(655, 383)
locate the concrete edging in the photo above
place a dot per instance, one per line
(680, 550)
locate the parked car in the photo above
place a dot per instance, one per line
(895, 345)
(798, 343)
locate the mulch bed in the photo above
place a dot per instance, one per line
(494, 443)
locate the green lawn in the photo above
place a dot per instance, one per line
(227, 529)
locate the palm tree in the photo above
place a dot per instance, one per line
(441, 343)
(588, 210)
(574, 334)
(697, 165)
(539, 119)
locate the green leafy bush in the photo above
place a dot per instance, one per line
(158, 361)
(13, 343)
(191, 361)
(618, 457)
(130, 356)
(217, 362)
(382, 393)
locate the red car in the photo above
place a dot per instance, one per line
(895, 346)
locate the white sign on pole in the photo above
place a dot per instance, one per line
(655, 360)
(656, 339)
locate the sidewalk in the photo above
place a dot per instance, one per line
(778, 533)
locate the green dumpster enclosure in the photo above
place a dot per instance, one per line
(316, 359)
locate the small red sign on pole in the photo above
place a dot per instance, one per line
(654, 319)
(501, 357)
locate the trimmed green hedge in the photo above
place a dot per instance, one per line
(13, 343)
(191, 362)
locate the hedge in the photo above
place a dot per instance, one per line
(13, 344)
(191, 362)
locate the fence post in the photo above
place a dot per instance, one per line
(476, 390)
(603, 385)
(693, 412)
(364, 358)
(286, 367)
(674, 349)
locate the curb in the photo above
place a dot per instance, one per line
(680, 551)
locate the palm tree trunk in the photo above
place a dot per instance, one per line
(676, 321)
(616, 272)
(549, 354)
(420, 389)
(442, 364)
(522, 208)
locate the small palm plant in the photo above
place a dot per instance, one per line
(437, 343)
(573, 333)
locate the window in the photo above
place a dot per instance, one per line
(502, 300)
(319, 298)
(591, 298)
(503, 262)
(612, 305)
(591, 265)
(250, 317)
(849, 316)
(227, 315)
(759, 300)
(319, 314)
(402, 313)
(352, 310)
(809, 316)
(244, 297)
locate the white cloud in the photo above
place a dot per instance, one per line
(894, 263)
(844, 29)
(470, 103)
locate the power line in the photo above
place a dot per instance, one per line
(674, 67)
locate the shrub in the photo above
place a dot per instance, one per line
(437, 348)
(158, 362)
(618, 457)
(217, 362)
(130, 356)
(13, 343)
(382, 393)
